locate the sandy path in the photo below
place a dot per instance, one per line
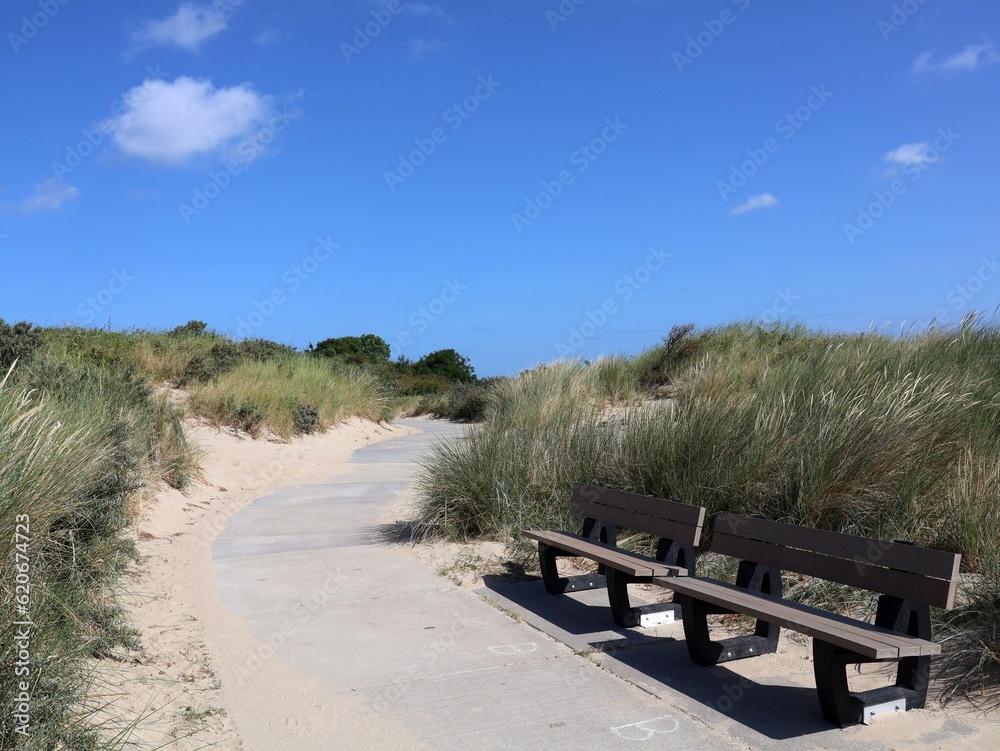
(174, 693)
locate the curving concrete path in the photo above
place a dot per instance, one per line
(366, 624)
(372, 624)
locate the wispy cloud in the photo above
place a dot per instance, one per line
(187, 28)
(763, 201)
(920, 154)
(418, 47)
(972, 57)
(268, 36)
(170, 123)
(431, 10)
(47, 196)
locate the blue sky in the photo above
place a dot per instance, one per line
(517, 180)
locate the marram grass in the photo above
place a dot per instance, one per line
(889, 437)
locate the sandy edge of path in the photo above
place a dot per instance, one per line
(201, 680)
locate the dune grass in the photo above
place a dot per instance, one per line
(889, 437)
(299, 394)
(78, 446)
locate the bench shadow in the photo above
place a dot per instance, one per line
(566, 613)
(778, 712)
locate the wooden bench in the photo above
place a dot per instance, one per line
(677, 525)
(909, 580)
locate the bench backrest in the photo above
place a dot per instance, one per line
(671, 520)
(897, 569)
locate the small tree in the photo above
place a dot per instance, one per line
(447, 364)
(367, 348)
(191, 328)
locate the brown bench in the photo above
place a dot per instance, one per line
(909, 580)
(677, 525)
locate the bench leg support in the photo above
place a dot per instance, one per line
(841, 707)
(556, 584)
(764, 640)
(830, 668)
(624, 614)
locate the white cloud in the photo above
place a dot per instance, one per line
(170, 123)
(972, 57)
(427, 9)
(420, 46)
(920, 154)
(268, 36)
(763, 201)
(187, 28)
(48, 196)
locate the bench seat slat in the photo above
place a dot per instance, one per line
(841, 631)
(618, 559)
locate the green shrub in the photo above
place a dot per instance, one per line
(222, 357)
(466, 402)
(446, 364)
(358, 350)
(419, 385)
(306, 419)
(17, 343)
(191, 328)
(262, 350)
(248, 417)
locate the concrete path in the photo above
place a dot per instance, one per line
(455, 671)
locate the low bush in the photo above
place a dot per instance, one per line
(306, 418)
(17, 343)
